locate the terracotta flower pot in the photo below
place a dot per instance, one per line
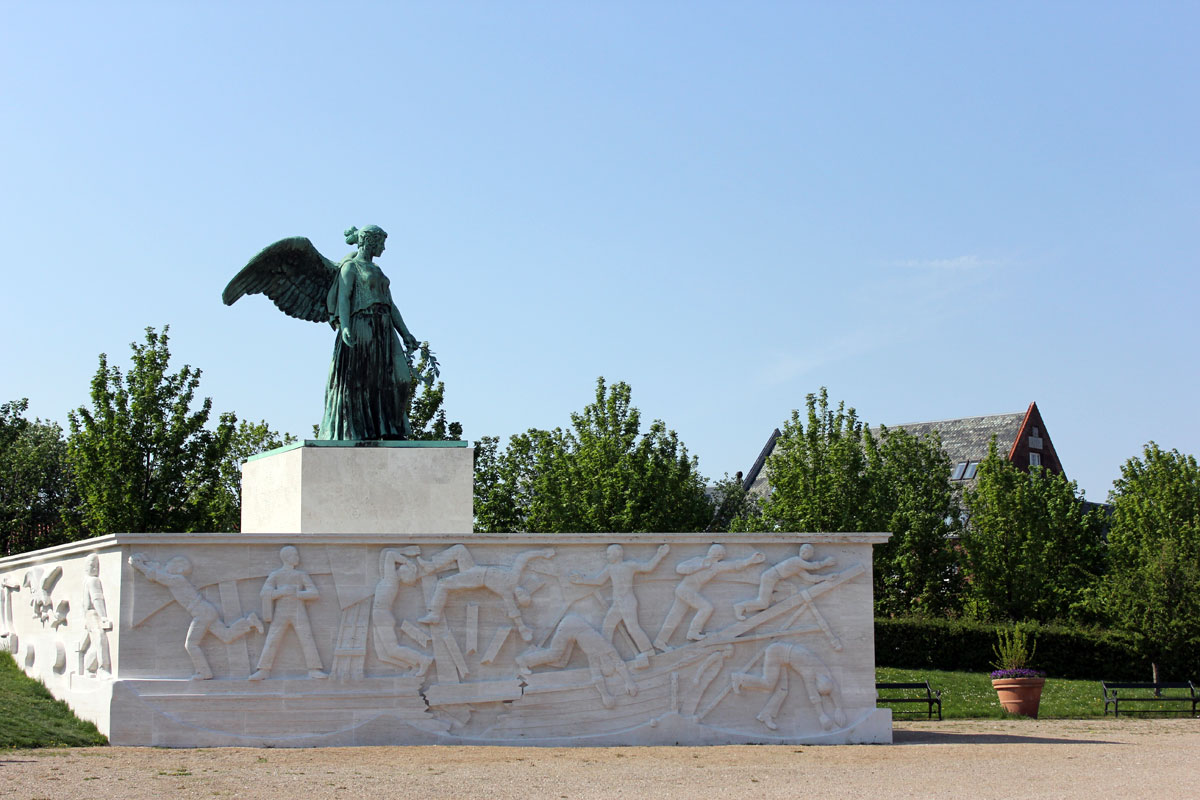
(1020, 695)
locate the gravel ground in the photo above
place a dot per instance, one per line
(978, 759)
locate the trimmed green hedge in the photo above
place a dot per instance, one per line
(957, 645)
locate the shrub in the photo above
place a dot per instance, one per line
(959, 645)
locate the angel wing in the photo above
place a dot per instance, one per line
(293, 274)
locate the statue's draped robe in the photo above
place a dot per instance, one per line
(367, 393)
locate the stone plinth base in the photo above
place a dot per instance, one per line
(359, 487)
(296, 640)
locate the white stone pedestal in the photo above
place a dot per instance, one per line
(297, 640)
(359, 487)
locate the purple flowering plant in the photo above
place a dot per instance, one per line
(1023, 672)
(1014, 650)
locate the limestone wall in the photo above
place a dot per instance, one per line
(59, 611)
(305, 639)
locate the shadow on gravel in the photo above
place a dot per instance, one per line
(942, 737)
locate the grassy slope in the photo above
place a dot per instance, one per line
(33, 718)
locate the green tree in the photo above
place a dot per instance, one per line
(142, 457)
(249, 439)
(602, 474)
(828, 472)
(1154, 543)
(732, 503)
(37, 491)
(819, 473)
(426, 415)
(917, 571)
(1033, 548)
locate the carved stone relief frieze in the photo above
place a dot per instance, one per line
(779, 659)
(284, 595)
(507, 642)
(93, 647)
(9, 642)
(504, 582)
(205, 617)
(394, 569)
(40, 583)
(697, 572)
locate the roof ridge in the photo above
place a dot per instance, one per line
(953, 419)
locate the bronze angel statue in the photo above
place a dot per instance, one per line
(370, 380)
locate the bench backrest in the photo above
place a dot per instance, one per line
(1144, 685)
(924, 686)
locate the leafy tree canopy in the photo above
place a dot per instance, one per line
(818, 472)
(143, 459)
(1154, 543)
(1034, 550)
(917, 571)
(426, 415)
(829, 473)
(602, 474)
(37, 489)
(249, 438)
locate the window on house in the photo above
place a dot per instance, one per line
(1035, 459)
(1035, 439)
(959, 469)
(972, 468)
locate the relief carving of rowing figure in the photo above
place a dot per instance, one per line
(624, 608)
(697, 572)
(780, 658)
(504, 582)
(801, 567)
(394, 569)
(205, 617)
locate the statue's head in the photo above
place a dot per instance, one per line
(289, 556)
(179, 565)
(369, 239)
(93, 565)
(614, 553)
(806, 552)
(716, 552)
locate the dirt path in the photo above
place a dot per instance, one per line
(974, 759)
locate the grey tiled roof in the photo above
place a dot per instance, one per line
(967, 439)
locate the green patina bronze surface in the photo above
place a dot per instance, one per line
(369, 387)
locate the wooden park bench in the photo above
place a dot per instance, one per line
(923, 694)
(1132, 692)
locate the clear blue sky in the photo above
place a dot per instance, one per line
(934, 209)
